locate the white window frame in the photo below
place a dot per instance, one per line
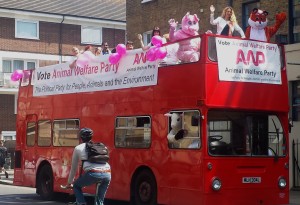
(94, 41)
(24, 36)
(12, 63)
(145, 37)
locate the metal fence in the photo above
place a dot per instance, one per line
(296, 163)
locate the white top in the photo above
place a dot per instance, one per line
(221, 23)
(79, 154)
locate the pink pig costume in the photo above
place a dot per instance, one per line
(189, 50)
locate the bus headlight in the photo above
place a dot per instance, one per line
(281, 182)
(216, 184)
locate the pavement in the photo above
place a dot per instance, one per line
(9, 180)
(294, 193)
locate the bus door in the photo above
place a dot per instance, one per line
(184, 168)
(30, 150)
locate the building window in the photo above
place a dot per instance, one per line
(296, 16)
(147, 37)
(10, 65)
(91, 35)
(296, 100)
(247, 9)
(30, 65)
(6, 66)
(27, 29)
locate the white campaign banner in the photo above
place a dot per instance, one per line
(133, 70)
(248, 61)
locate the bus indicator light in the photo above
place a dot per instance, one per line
(281, 182)
(216, 184)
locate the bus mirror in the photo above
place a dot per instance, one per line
(195, 120)
(290, 125)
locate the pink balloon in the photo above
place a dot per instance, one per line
(156, 40)
(16, 75)
(26, 74)
(114, 58)
(81, 61)
(161, 53)
(151, 56)
(121, 49)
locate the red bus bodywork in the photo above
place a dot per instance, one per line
(180, 176)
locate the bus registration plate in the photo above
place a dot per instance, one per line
(253, 180)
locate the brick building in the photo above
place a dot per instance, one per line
(152, 13)
(36, 33)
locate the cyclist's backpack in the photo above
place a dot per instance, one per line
(97, 152)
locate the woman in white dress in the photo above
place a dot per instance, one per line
(226, 23)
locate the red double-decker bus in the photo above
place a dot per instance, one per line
(233, 108)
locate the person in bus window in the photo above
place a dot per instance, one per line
(93, 172)
(155, 32)
(226, 23)
(3, 155)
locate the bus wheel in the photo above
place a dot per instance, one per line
(45, 183)
(145, 191)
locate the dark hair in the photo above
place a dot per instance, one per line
(103, 43)
(86, 134)
(155, 29)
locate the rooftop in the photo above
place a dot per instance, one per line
(98, 9)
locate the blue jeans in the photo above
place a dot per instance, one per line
(90, 178)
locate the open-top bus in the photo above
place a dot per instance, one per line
(234, 108)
